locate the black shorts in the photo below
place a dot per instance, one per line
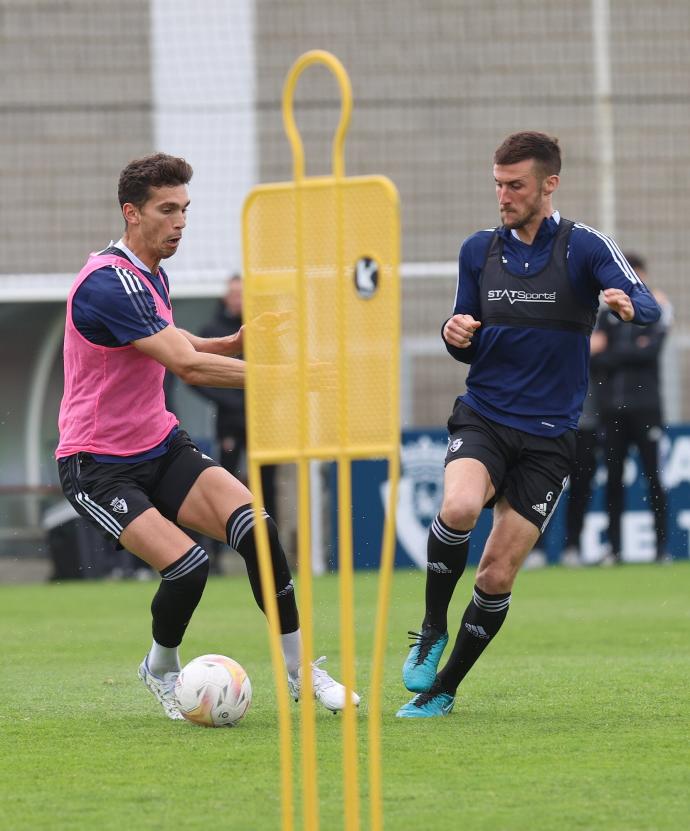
(530, 471)
(111, 495)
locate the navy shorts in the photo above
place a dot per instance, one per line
(111, 495)
(530, 471)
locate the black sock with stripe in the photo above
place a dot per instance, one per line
(446, 555)
(242, 537)
(178, 596)
(482, 619)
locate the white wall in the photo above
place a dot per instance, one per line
(202, 65)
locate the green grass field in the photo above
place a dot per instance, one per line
(577, 717)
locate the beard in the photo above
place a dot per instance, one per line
(513, 222)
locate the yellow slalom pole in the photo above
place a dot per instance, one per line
(347, 644)
(308, 722)
(307, 708)
(268, 590)
(345, 554)
(380, 629)
(309, 767)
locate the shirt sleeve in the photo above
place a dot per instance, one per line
(598, 256)
(467, 301)
(112, 307)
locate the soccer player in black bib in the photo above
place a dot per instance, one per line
(526, 303)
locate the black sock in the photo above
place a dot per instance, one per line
(480, 623)
(178, 595)
(241, 537)
(446, 555)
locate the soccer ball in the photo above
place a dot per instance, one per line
(214, 691)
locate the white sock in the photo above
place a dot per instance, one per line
(163, 659)
(291, 644)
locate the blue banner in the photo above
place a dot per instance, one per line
(421, 491)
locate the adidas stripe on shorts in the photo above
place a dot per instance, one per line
(111, 495)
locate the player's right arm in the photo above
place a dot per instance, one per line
(171, 348)
(459, 329)
(114, 308)
(460, 332)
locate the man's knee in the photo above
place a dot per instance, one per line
(460, 514)
(189, 574)
(496, 576)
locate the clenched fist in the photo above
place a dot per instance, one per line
(618, 301)
(459, 329)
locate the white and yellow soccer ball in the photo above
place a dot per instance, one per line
(213, 691)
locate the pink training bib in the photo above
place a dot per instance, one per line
(113, 401)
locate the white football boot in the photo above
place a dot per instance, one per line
(162, 688)
(326, 689)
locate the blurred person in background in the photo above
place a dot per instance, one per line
(631, 408)
(231, 427)
(525, 306)
(588, 442)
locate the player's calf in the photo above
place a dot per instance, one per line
(182, 585)
(241, 537)
(178, 595)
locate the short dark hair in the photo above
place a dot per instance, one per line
(635, 260)
(156, 171)
(531, 145)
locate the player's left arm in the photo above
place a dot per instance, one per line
(645, 346)
(230, 345)
(622, 290)
(267, 323)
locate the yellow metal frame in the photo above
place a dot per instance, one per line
(344, 452)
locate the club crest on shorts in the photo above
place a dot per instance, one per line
(455, 445)
(119, 505)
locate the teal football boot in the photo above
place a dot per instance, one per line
(426, 648)
(428, 705)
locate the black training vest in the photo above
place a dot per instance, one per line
(544, 300)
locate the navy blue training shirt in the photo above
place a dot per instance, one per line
(111, 308)
(509, 381)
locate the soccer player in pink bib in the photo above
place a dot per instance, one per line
(125, 464)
